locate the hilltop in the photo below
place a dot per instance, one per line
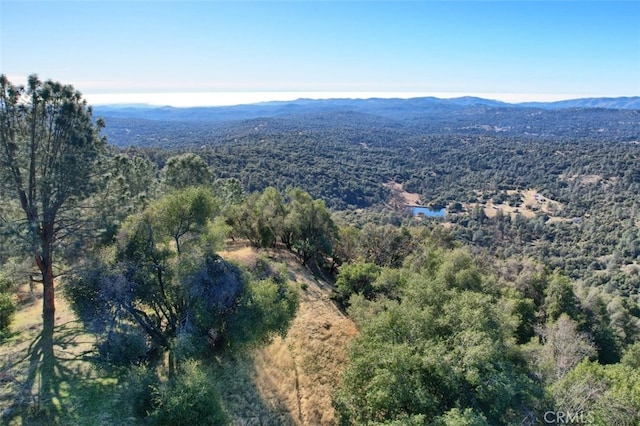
(377, 106)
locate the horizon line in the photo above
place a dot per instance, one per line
(227, 98)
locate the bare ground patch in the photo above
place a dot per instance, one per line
(401, 197)
(532, 203)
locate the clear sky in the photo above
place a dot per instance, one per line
(509, 49)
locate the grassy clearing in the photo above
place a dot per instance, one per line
(532, 204)
(76, 393)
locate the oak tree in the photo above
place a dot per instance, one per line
(186, 170)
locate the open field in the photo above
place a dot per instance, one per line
(402, 197)
(531, 201)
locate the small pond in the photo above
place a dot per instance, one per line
(426, 211)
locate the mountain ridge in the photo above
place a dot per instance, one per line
(377, 106)
(396, 118)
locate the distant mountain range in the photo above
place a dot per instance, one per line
(632, 102)
(391, 108)
(614, 119)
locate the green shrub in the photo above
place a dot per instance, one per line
(123, 346)
(189, 399)
(266, 309)
(139, 390)
(356, 278)
(7, 311)
(458, 417)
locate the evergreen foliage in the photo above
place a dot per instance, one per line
(49, 160)
(446, 344)
(163, 280)
(7, 312)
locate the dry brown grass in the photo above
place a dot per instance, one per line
(20, 367)
(296, 375)
(547, 206)
(240, 252)
(403, 197)
(531, 206)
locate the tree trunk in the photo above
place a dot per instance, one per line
(48, 386)
(45, 264)
(48, 292)
(47, 368)
(48, 300)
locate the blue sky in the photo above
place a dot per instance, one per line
(513, 50)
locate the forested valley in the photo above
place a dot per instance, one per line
(265, 266)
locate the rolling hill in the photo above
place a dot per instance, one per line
(168, 127)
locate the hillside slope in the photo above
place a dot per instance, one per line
(288, 382)
(293, 377)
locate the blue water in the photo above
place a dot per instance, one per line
(426, 211)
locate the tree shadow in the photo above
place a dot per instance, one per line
(242, 398)
(60, 386)
(52, 363)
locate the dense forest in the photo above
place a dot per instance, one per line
(349, 159)
(521, 305)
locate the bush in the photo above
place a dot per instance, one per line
(458, 417)
(139, 390)
(266, 309)
(189, 399)
(123, 346)
(356, 278)
(264, 269)
(7, 311)
(631, 356)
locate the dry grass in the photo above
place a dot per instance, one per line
(78, 393)
(25, 329)
(240, 252)
(533, 203)
(295, 376)
(402, 197)
(547, 206)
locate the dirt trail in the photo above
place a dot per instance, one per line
(297, 374)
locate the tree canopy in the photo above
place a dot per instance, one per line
(49, 154)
